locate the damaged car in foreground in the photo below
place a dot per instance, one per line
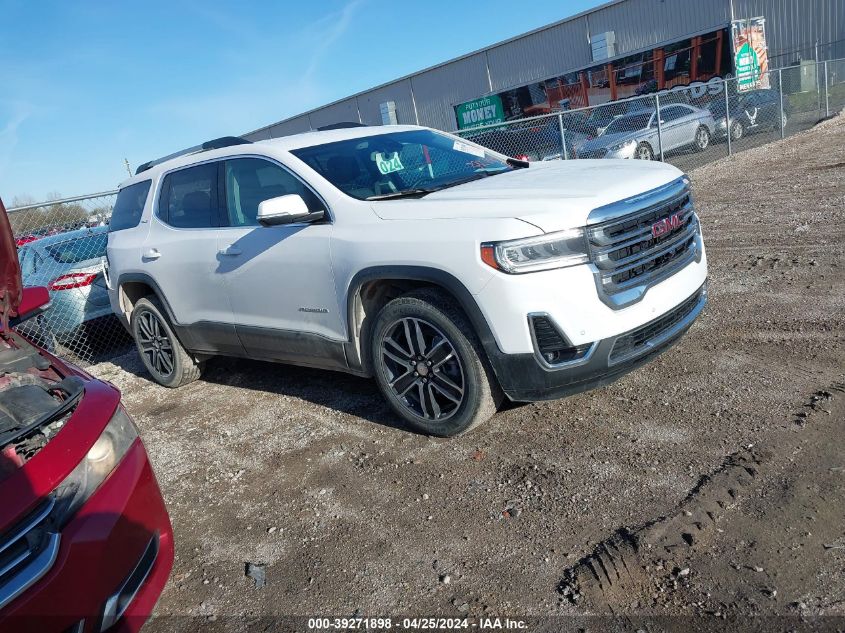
(85, 540)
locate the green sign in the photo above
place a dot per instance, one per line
(484, 111)
(747, 67)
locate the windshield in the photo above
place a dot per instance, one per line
(717, 106)
(628, 124)
(400, 163)
(80, 249)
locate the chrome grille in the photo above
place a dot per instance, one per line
(27, 551)
(627, 257)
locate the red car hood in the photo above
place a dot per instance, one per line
(10, 272)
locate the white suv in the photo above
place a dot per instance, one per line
(453, 275)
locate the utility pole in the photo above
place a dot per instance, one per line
(128, 168)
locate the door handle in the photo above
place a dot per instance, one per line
(151, 253)
(230, 251)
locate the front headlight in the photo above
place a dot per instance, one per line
(97, 464)
(625, 145)
(531, 254)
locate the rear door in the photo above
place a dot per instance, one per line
(673, 127)
(278, 278)
(180, 254)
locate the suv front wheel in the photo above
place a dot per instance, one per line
(164, 357)
(430, 365)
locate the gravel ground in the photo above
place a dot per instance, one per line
(719, 459)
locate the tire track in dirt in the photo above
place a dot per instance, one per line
(634, 564)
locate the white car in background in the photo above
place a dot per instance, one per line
(635, 135)
(455, 276)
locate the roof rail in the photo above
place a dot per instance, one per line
(340, 126)
(218, 143)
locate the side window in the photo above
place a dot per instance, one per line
(27, 263)
(673, 113)
(250, 181)
(188, 197)
(30, 263)
(129, 206)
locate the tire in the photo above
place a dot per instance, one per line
(702, 138)
(644, 152)
(737, 131)
(450, 387)
(154, 338)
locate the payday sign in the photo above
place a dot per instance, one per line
(482, 111)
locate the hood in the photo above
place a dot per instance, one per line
(553, 195)
(10, 272)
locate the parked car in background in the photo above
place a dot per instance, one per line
(750, 112)
(70, 266)
(453, 275)
(602, 116)
(636, 135)
(85, 539)
(25, 239)
(540, 139)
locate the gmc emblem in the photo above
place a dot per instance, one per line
(666, 225)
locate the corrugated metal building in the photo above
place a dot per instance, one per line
(795, 30)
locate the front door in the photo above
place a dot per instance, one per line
(278, 279)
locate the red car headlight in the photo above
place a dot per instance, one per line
(97, 464)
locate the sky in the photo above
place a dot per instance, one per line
(85, 85)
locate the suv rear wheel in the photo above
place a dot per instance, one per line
(430, 366)
(168, 362)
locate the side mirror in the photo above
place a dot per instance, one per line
(34, 300)
(286, 210)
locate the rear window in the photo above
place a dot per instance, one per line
(129, 206)
(80, 249)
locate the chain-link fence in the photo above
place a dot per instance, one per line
(62, 245)
(687, 126)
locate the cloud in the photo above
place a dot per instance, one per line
(17, 112)
(326, 31)
(270, 91)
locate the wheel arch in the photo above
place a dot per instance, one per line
(132, 287)
(373, 287)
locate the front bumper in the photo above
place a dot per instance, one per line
(98, 552)
(525, 378)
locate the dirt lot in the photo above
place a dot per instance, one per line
(707, 483)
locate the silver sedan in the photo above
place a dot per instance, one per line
(635, 135)
(70, 266)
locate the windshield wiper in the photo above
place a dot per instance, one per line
(477, 176)
(405, 193)
(408, 193)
